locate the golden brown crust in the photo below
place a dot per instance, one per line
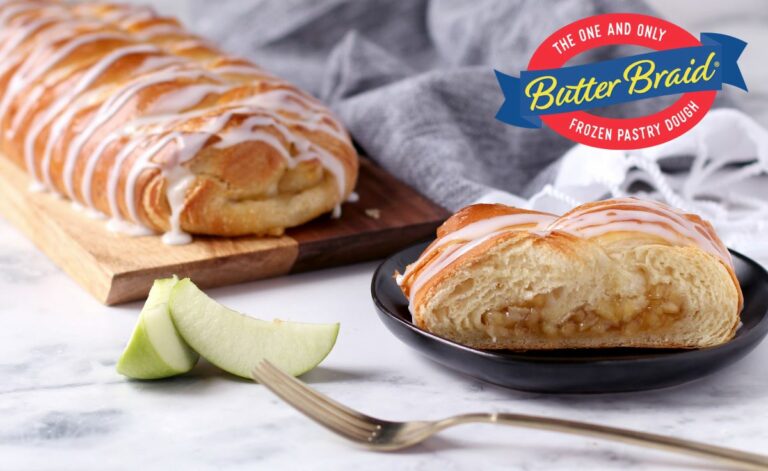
(462, 218)
(271, 148)
(477, 212)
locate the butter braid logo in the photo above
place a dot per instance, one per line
(548, 93)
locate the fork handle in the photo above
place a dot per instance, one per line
(729, 456)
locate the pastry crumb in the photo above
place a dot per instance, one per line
(373, 213)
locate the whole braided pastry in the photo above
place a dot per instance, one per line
(135, 119)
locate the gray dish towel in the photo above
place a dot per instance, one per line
(413, 80)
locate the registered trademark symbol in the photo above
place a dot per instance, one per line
(717, 64)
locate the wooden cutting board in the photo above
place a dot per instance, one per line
(116, 268)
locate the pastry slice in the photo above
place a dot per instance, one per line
(615, 273)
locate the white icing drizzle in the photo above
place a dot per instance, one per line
(310, 151)
(185, 97)
(445, 258)
(27, 74)
(114, 176)
(30, 100)
(312, 115)
(243, 69)
(284, 99)
(36, 187)
(268, 114)
(90, 167)
(112, 105)
(63, 121)
(136, 17)
(61, 30)
(186, 147)
(160, 30)
(479, 229)
(644, 216)
(457, 243)
(245, 133)
(129, 14)
(176, 194)
(153, 63)
(64, 100)
(22, 33)
(142, 162)
(249, 130)
(307, 150)
(9, 11)
(190, 44)
(94, 213)
(178, 179)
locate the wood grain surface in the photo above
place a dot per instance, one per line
(116, 268)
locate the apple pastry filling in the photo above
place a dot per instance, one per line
(659, 310)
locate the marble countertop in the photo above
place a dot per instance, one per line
(63, 406)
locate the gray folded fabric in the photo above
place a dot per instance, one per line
(413, 80)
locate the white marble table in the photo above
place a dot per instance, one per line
(63, 406)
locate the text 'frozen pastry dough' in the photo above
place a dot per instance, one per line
(615, 273)
(127, 114)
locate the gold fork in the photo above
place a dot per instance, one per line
(384, 435)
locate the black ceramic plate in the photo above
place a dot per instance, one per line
(576, 371)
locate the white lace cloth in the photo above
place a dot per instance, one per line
(727, 182)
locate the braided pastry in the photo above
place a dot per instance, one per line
(615, 273)
(130, 116)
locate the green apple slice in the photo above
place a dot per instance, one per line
(155, 349)
(236, 343)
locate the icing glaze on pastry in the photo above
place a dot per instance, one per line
(184, 97)
(587, 221)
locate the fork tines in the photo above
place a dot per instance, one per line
(318, 407)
